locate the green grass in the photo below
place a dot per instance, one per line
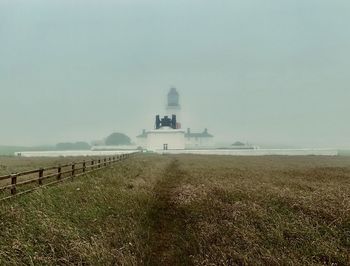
(186, 210)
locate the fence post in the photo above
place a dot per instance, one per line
(92, 165)
(13, 183)
(104, 162)
(41, 174)
(59, 170)
(84, 166)
(109, 161)
(73, 169)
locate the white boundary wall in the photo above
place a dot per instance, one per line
(70, 153)
(258, 152)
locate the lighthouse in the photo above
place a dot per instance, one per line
(173, 106)
(167, 133)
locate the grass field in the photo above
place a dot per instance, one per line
(11, 164)
(185, 210)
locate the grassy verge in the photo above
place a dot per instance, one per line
(95, 220)
(189, 210)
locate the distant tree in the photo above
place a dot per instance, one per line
(116, 139)
(64, 146)
(80, 145)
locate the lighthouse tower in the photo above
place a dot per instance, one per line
(173, 106)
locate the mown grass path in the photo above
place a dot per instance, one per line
(167, 242)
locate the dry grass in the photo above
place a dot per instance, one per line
(11, 164)
(189, 210)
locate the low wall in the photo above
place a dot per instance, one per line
(71, 153)
(258, 152)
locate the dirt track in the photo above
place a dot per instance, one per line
(167, 235)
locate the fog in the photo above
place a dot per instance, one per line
(269, 72)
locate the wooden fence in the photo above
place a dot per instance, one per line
(24, 182)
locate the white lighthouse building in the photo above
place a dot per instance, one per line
(173, 106)
(168, 135)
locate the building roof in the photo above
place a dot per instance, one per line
(204, 134)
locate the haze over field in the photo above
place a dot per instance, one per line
(270, 72)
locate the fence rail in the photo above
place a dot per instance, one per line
(52, 175)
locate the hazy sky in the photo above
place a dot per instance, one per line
(264, 71)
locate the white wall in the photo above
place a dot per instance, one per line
(259, 152)
(174, 138)
(200, 142)
(70, 153)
